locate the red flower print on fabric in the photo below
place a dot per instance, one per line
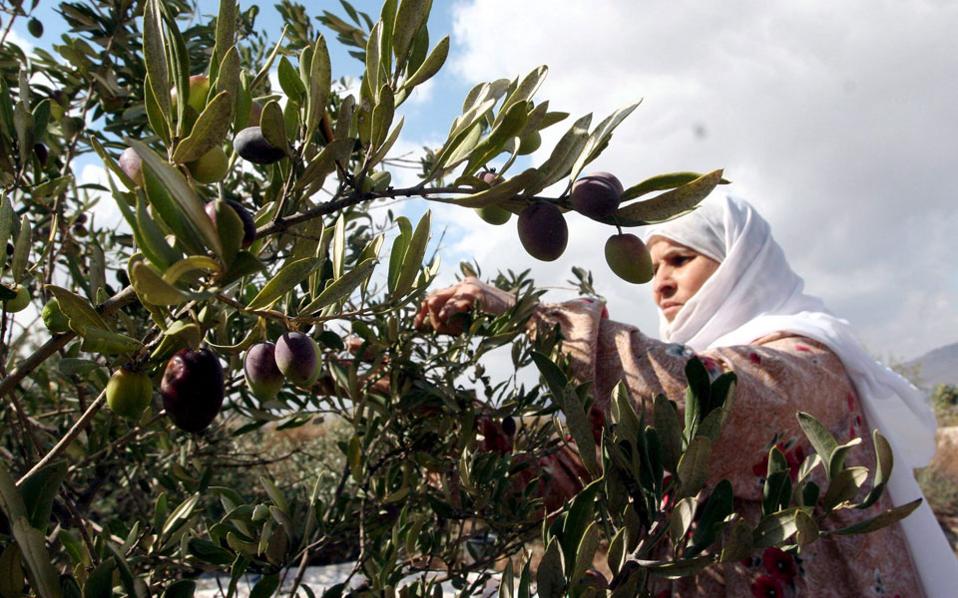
(712, 367)
(667, 496)
(794, 457)
(766, 586)
(802, 348)
(850, 397)
(780, 564)
(754, 358)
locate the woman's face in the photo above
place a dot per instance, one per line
(679, 273)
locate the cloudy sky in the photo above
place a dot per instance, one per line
(837, 120)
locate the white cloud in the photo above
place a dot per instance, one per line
(106, 215)
(277, 89)
(14, 37)
(836, 120)
(422, 93)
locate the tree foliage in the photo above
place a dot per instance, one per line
(400, 453)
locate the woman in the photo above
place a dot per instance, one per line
(727, 293)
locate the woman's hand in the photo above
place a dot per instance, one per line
(446, 311)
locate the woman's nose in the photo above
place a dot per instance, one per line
(662, 283)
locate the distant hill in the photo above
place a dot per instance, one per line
(938, 366)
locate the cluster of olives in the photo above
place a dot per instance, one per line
(267, 366)
(544, 233)
(192, 388)
(212, 166)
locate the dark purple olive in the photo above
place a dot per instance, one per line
(543, 231)
(597, 195)
(297, 356)
(42, 153)
(34, 26)
(262, 376)
(251, 145)
(192, 389)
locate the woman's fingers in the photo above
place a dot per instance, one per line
(430, 307)
(455, 306)
(439, 308)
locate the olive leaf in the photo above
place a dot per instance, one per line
(499, 192)
(228, 77)
(412, 257)
(669, 204)
(24, 124)
(564, 155)
(342, 287)
(32, 543)
(523, 92)
(387, 144)
(6, 220)
(820, 438)
(693, 466)
(550, 577)
(320, 80)
(430, 67)
(225, 35)
(150, 239)
(382, 117)
(285, 279)
(323, 164)
(229, 226)
(599, 138)
(290, 82)
(884, 519)
(264, 71)
(106, 342)
(775, 529)
(507, 128)
(150, 286)
(411, 16)
(190, 217)
(190, 264)
(38, 491)
(884, 460)
(77, 309)
(662, 182)
(272, 125)
(154, 56)
(209, 131)
(21, 249)
(180, 334)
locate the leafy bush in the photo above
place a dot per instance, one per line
(424, 462)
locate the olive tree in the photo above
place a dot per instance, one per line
(231, 383)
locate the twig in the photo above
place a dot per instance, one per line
(72, 433)
(33, 361)
(122, 440)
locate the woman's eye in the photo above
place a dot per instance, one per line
(680, 259)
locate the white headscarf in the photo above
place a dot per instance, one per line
(754, 293)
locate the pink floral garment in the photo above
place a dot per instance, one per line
(777, 376)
